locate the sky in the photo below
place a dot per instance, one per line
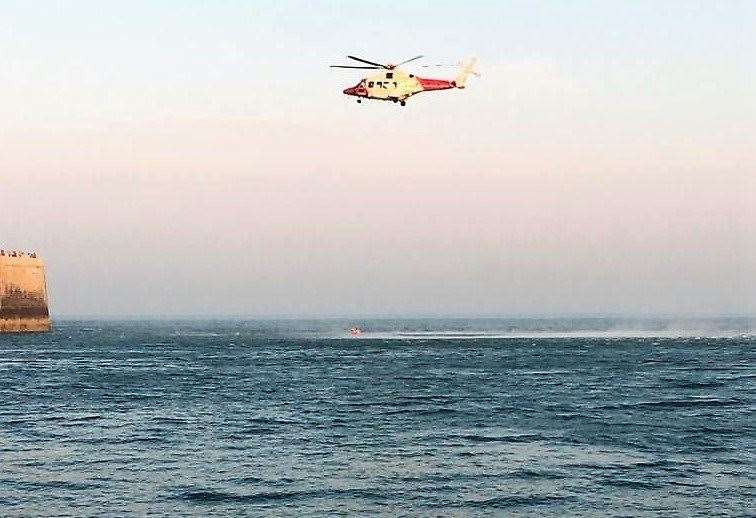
(187, 158)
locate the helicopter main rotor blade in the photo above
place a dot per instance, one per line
(366, 61)
(408, 60)
(350, 66)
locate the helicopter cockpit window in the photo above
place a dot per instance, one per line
(371, 84)
(389, 75)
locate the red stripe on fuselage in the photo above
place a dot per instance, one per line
(359, 91)
(435, 84)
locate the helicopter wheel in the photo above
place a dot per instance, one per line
(359, 100)
(403, 103)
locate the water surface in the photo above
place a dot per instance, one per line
(441, 418)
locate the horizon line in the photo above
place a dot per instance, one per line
(378, 316)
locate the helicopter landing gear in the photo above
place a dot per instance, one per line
(403, 103)
(359, 101)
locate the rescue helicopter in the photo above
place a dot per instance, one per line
(396, 85)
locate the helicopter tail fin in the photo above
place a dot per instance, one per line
(467, 69)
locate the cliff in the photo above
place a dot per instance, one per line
(23, 293)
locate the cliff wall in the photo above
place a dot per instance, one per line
(23, 293)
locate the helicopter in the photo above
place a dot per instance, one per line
(396, 85)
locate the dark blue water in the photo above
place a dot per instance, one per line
(413, 418)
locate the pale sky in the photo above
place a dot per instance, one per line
(186, 158)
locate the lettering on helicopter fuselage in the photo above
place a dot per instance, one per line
(383, 84)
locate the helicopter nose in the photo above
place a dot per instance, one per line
(351, 90)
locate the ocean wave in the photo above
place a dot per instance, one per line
(65, 485)
(675, 403)
(502, 502)
(207, 496)
(514, 438)
(246, 433)
(170, 420)
(631, 484)
(273, 421)
(534, 474)
(680, 383)
(685, 484)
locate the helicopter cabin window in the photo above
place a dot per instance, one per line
(389, 75)
(371, 84)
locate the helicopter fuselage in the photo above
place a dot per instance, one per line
(395, 85)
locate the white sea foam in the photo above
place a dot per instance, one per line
(590, 334)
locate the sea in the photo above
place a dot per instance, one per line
(413, 417)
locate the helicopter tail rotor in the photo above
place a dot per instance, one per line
(467, 69)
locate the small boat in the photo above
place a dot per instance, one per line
(355, 331)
